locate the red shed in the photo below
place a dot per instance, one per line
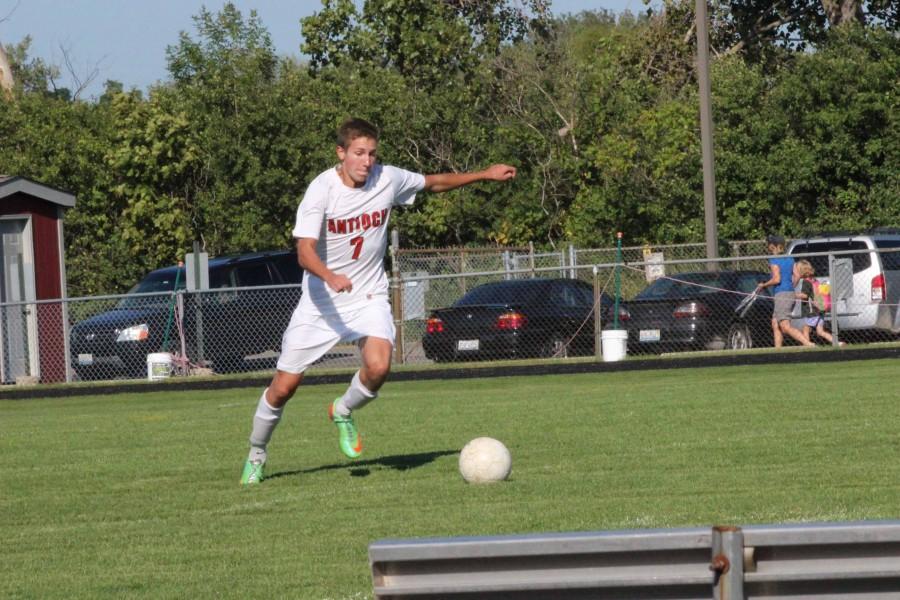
(32, 268)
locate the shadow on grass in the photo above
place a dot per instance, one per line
(361, 468)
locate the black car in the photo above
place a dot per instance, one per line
(702, 310)
(515, 318)
(220, 327)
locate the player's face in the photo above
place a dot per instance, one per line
(357, 159)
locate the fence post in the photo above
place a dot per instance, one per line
(531, 258)
(198, 308)
(598, 314)
(462, 271)
(573, 274)
(397, 296)
(835, 334)
(618, 280)
(728, 563)
(67, 336)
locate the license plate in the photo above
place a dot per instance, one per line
(649, 335)
(85, 359)
(467, 345)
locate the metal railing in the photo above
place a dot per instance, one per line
(816, 560)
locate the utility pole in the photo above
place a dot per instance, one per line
(706, 131)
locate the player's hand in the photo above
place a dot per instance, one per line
(500, 172)
(339, 283)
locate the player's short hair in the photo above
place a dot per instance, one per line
(355, 128)
(805, 268)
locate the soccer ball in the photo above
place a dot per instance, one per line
(484, 460)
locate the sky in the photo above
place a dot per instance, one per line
(126, 40)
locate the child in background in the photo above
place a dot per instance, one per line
(808, 309)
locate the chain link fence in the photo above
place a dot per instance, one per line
(461, 305)
(459, 261)
(664, 305)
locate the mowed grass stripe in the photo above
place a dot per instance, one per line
(137, 496)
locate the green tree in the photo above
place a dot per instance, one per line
(62, 144)
(225, 82)
(158, 177)
(802, 23)
(541, 97)
(424, 41)
(431, 64)
(633, 162)
(818, 146)
(34, 75)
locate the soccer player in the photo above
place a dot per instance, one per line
(341, 233)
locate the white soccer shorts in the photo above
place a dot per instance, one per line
(309, 337)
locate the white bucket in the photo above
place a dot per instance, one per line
(159, 366)
(614, 344)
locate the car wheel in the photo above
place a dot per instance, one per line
(739, 337)
(556, 346)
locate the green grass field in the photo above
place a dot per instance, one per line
(136, 496)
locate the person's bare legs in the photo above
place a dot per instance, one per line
(796, 334)
(282, 388)
(807, 332)
(376, 358)
(820, 331)
(376, 364)
(776, 333)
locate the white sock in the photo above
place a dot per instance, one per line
(264, 422)
(356, 396)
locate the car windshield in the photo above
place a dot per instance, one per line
(156, 282)
(685, 285)
(505, 292)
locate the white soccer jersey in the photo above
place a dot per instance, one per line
(351, 226)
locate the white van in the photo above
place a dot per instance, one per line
(872, 304)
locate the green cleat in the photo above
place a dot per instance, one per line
(253, 472)
(350, 441)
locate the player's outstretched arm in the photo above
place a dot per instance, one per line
(442, 182)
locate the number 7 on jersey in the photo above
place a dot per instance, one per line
(357, 244)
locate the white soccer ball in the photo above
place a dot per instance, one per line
(484, 460)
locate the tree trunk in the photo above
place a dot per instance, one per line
(6, 77)
(840, 12)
